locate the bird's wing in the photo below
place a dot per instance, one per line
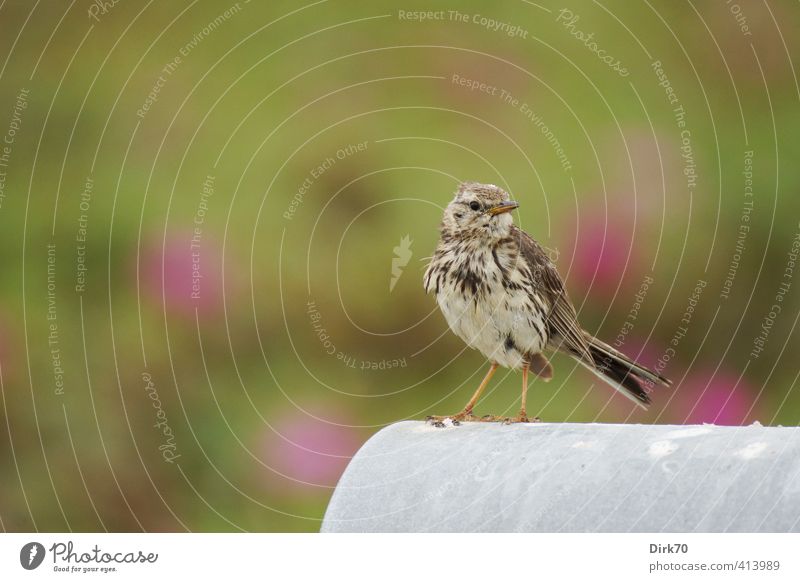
(427, 282)
(562, 321)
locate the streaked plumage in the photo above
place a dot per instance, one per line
(501, 294)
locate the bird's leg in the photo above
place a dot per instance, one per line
(543, 370)
(474, 400)
(523, 415)
(466, 414)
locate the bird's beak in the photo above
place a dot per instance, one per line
(503, 207)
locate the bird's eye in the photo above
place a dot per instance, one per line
(475, 205)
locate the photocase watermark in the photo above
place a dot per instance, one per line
(687, 152)
(209, 28)
(197, 234)
(168, 448)
(486, 22)
(664, 82)
(744, 226)
(10, 137)
(53, 343)
(402, 255)
(81, 236)
(31, 555)
(348, 360)
(568, 20)
(475, 85)
(680, 332)
(506, 28)
(739, 17)
(100, 8)
(538, 272)
(776, 308)
(70, 560)
(633, 313)
(679, 114)
(548, 134)
(317, 172)
(421, 15)
(169, 69)
(508, 99)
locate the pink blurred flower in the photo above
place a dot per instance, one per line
(700, 397)
(601, 251)
(190, 278)
(310, 450)
(715, 399)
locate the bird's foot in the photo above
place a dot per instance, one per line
(451, 419)
(493, 418)
(521, 417)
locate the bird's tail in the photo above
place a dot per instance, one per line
(631, 379)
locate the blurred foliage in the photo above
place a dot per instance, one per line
(296, 350)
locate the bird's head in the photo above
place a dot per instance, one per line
(479, 211)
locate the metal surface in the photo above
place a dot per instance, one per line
(412, 477)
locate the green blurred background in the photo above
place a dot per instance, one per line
(199, 318)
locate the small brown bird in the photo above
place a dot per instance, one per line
(501, 294)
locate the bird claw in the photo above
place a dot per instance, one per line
(454, 419)
(457, 419)
(522, 418)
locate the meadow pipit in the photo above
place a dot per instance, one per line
(502, 295)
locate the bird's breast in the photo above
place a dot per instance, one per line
(489, 304)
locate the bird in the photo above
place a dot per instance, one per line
(502, 295)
